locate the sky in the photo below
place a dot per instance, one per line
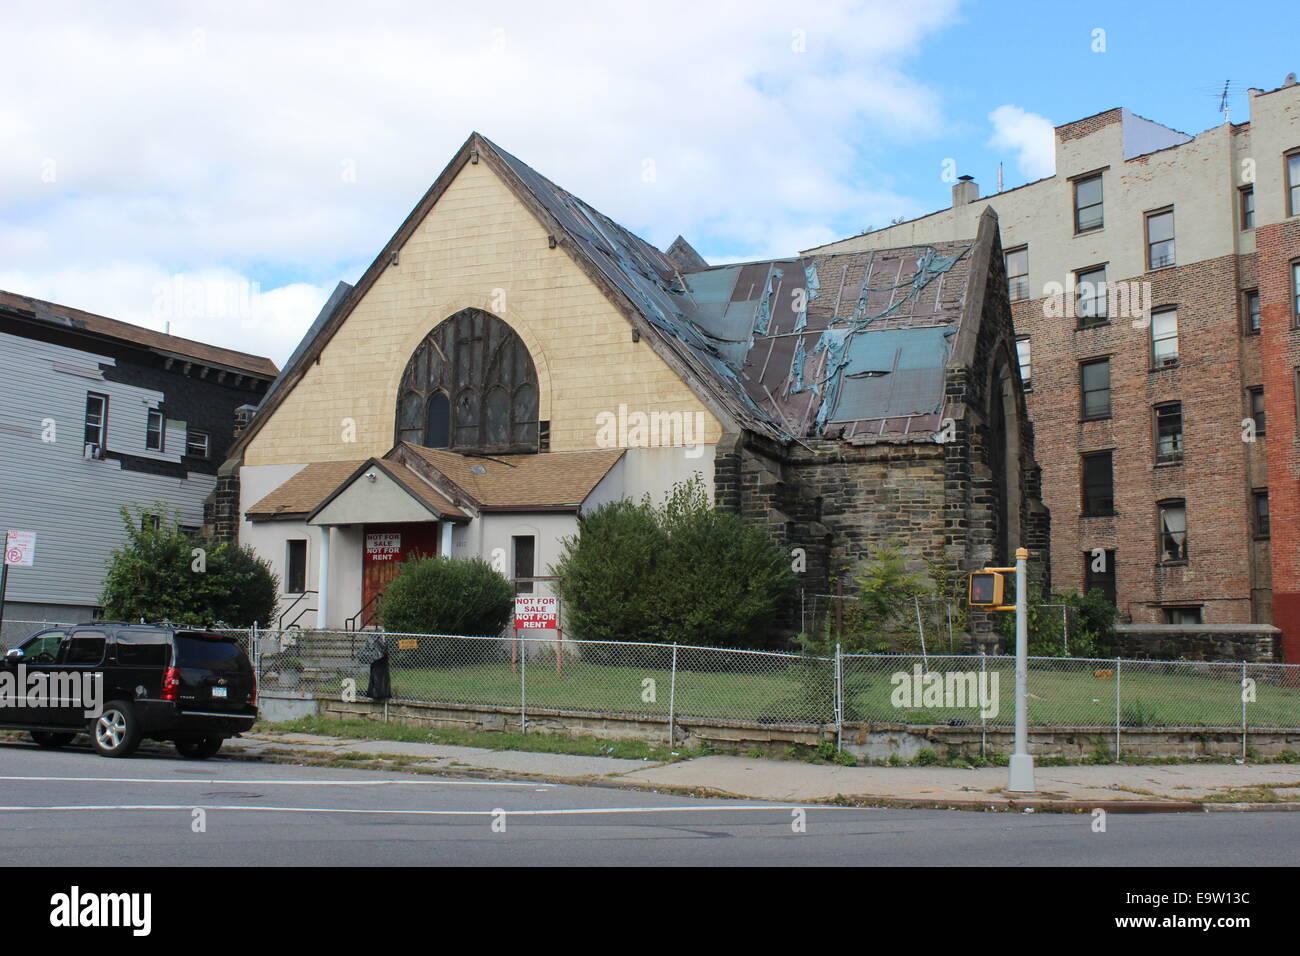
(216, 168)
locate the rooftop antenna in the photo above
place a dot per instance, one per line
(1223, 104)
(999, 177)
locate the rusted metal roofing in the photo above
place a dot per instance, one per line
(849, 346)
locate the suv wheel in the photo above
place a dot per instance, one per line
(51, 740)
(198, 748)
(116, 731)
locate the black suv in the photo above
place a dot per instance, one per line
(195, 688)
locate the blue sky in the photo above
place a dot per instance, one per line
(229, 143)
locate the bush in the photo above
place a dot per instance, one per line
(680, 573)
(447, 596)
(161, 573)
(1092, 624)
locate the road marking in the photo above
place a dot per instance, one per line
(295, 783)
(576, 811)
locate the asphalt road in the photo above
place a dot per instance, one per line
(73, 808)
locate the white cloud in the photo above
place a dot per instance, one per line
(213, 139)
(1029, 135)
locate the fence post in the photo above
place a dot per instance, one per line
(672, 699)
(253, 653)
(1243, 710)
(839, 698)
(523, 689)
(1118, 663)
(983, 719)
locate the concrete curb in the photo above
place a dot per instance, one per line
(863, 800)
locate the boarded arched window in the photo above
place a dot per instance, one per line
(470, 385)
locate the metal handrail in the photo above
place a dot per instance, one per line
(280, 623)
(350, 623)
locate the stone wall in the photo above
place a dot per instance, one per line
(1253, 643)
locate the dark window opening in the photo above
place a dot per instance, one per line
(1092, 297)
(295, 575)
(1182, 615)
(1261, 514)
(1095, 378)
(1017, 263)
(1098, 484)
(196, 444)
(96, 419)
(1247, 207)
(1257, 411)
(1099, 572)
(1169, 433)
(1160, 239)
(154, 431)
(1252, 312)
(525, 547)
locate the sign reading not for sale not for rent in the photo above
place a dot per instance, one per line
(533, 613)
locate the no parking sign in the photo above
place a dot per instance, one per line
(20, 548)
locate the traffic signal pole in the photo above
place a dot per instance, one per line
(1021, 776)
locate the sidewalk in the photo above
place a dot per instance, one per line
(1118, 788)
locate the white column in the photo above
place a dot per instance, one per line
(323, 579)
(444, 549)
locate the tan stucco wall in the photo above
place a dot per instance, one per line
(477, 246)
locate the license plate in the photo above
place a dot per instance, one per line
(218, 692)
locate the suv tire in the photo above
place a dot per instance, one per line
(116, 731)
(51, 740)
(198, 748)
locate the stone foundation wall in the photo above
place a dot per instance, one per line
(1252, 643)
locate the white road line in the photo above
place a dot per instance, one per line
(578, 811)
(295, 783)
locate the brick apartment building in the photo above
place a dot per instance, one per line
(1155, 281)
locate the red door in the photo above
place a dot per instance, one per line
(386, 547)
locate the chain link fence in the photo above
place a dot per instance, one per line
(668, 683)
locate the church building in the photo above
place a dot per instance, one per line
(513, 358)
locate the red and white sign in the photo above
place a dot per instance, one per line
(20, 548)
(534, 613)
(386, 546)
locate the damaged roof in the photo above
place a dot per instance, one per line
(560, 480)
(849, 346)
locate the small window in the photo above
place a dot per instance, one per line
(437, 421)
(1098, 484)
(1247, 207)
(1099, 572)
(150, 522)
(1295, 295)
(85, 647)
(1261, 513)
(1182, 615)
(1091, 297)
(96, 419)
(295, 566)
(1095, 377)
(1251, 309)
(1293, 183)
(1173, 531)
(1257, 412)
(1025, 357)
(1164, 338)
(154, 433)
(525, 546)
(544, 436)
(1088, 204)
(196, 444)
(1018, 273)
(1160, 239)
(1169, 433)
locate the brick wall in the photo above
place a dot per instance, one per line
(1278, 245)
(1218, 471)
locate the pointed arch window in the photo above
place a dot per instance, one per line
(471, 385)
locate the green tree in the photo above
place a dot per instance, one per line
(453, 596)
(161, 573)
(1091, 622)
(682, 573)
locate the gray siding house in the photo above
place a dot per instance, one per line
(96, 414)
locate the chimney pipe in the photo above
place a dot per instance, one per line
(964, 191)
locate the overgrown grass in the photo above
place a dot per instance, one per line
(1065, 694)
(486, 739)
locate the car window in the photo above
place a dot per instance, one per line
(43, 649)
(208, 653)
(85, 647)
(143, 648)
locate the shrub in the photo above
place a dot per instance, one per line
(1092, 624)
(679, 573)
(161, 573)
(454, 596)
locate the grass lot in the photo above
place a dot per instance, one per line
(487, 739)
(1068, 693)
